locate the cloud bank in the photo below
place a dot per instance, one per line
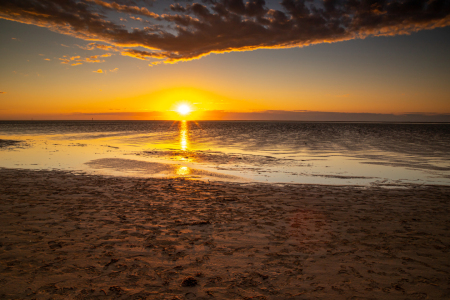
(323, 116)
(193, 30)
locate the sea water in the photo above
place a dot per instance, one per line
(245, 151)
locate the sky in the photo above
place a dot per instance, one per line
(333, 60)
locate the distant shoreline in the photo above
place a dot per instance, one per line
(269, 121)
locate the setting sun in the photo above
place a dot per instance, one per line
(183, 109)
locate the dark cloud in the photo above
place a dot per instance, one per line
(124, 8)
(178, 8)
(144, 55)
(193, 30)
(135, 2)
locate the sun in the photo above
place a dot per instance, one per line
(183, 109)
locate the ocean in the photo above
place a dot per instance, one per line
(383, 154)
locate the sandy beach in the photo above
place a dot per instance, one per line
(78, 236)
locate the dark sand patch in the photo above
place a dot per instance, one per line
(220, 158)
(9, 143)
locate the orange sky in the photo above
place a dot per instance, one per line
(51, 72)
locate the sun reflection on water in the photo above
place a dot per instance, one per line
(184, 139)
(183, 171)
(184, 144)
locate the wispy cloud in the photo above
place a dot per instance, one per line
(114, 70)
(79, 60)
(2, 92)
(135, 18)
(98, 71)
(93, 46)
(194, 30)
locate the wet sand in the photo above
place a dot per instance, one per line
(68, 236)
